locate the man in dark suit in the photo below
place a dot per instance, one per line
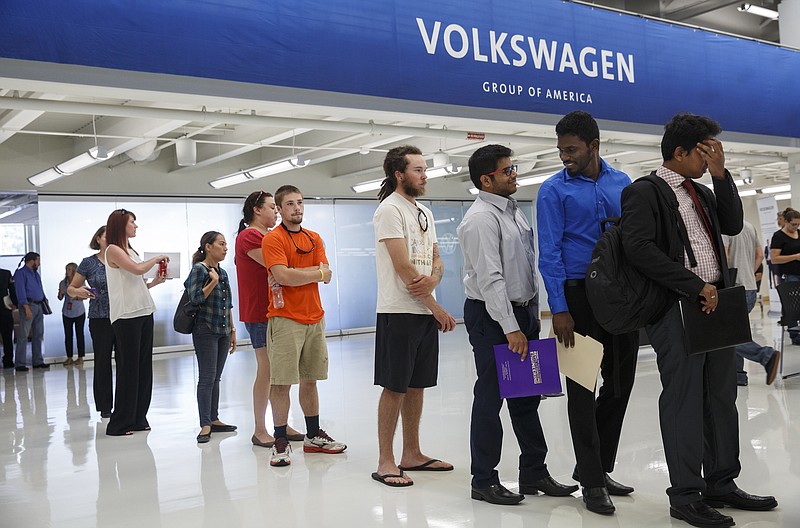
(6, 319)
(697, 407)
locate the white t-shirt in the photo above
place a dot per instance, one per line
(396, 217)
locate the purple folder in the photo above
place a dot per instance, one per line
(537, 375)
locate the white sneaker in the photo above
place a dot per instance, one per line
(322, 443)
(280, 453)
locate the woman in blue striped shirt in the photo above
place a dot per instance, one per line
(214, 335)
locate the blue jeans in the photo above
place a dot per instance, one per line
(212, 351)
(752, 350)
(36, 324)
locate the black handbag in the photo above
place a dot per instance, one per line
(183, 322)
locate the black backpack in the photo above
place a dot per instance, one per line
(624, 300)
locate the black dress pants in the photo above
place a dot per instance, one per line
(134, 339)
(7, 331)
(596, 423)
(77, 324)
(486, 429)
(103, 343)
(697, 408)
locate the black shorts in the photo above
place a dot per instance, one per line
(406, 351)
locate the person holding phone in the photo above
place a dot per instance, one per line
(73, 314)
(93, 270)
(131, 312)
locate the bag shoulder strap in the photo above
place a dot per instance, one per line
(669, 198)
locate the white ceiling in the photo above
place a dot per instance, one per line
(50, 113)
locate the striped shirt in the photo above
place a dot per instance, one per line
(707, 264)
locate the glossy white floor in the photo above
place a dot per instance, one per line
(57, 467)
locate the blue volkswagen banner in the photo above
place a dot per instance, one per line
(545, 56)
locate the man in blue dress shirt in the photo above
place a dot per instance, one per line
(30, 296)
(570, 206)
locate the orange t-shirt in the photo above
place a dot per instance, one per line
(301, 303)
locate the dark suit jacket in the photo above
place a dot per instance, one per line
(651, 238)
(5, 287)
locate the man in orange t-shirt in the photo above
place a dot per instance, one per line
(296, 344)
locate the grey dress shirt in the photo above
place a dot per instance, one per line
(499, 257)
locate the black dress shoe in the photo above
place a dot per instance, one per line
(548, 486)
(203, 438)
(21, 369)
(741, 500)
(42, 366)
(496, 494)
(700, 514)
(772, 366)
(598, 501)
(613, 487)
(222, 428)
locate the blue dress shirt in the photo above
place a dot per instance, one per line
(29, 285)
(568, 214)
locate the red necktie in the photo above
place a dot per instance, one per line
(701, 212)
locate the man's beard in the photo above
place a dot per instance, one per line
(412, 191)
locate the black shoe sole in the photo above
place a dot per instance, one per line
(532, 490)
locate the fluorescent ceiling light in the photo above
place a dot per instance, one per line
(533, 180)
(87, 159)
(777, 189)
(438, 172)
(785, 196)
(373, 185)
(259, 172)
(758, 10)
(748, 192)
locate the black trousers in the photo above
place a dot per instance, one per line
(697, 407)
(76, 323)
(486, 429)
(7, 331)
(596, 423)
(134, 338)
(103, 343)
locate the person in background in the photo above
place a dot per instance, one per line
(7, 318)
(259, 215)
(131, 312)
(93, 270)
(73, 314)
(213, 335)
(31, 299)
(784, 251)
(746, 255)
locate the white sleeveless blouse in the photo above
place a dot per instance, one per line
(128, 296)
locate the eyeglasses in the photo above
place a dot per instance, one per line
(507, 171)
(422, 220)
(303, 251)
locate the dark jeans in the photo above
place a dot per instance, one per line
(596, 423)
(134, 339)
(7, 331)
(77, 323)
(486, 429)
(34, 326)
(752, 350)
(212, 351)
(697, 411)
(103, 343)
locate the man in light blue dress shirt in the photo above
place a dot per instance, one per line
(30, 296)
(502, 306)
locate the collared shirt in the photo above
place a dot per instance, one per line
(568, 214)
(499, 257)
(215, 310)
(29, 285)
(706, 256)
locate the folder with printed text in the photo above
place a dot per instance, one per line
(537, 375)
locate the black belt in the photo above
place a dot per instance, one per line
(518, 304)
(575, 283)
(31, 301)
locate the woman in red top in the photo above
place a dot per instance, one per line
(259, 216)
